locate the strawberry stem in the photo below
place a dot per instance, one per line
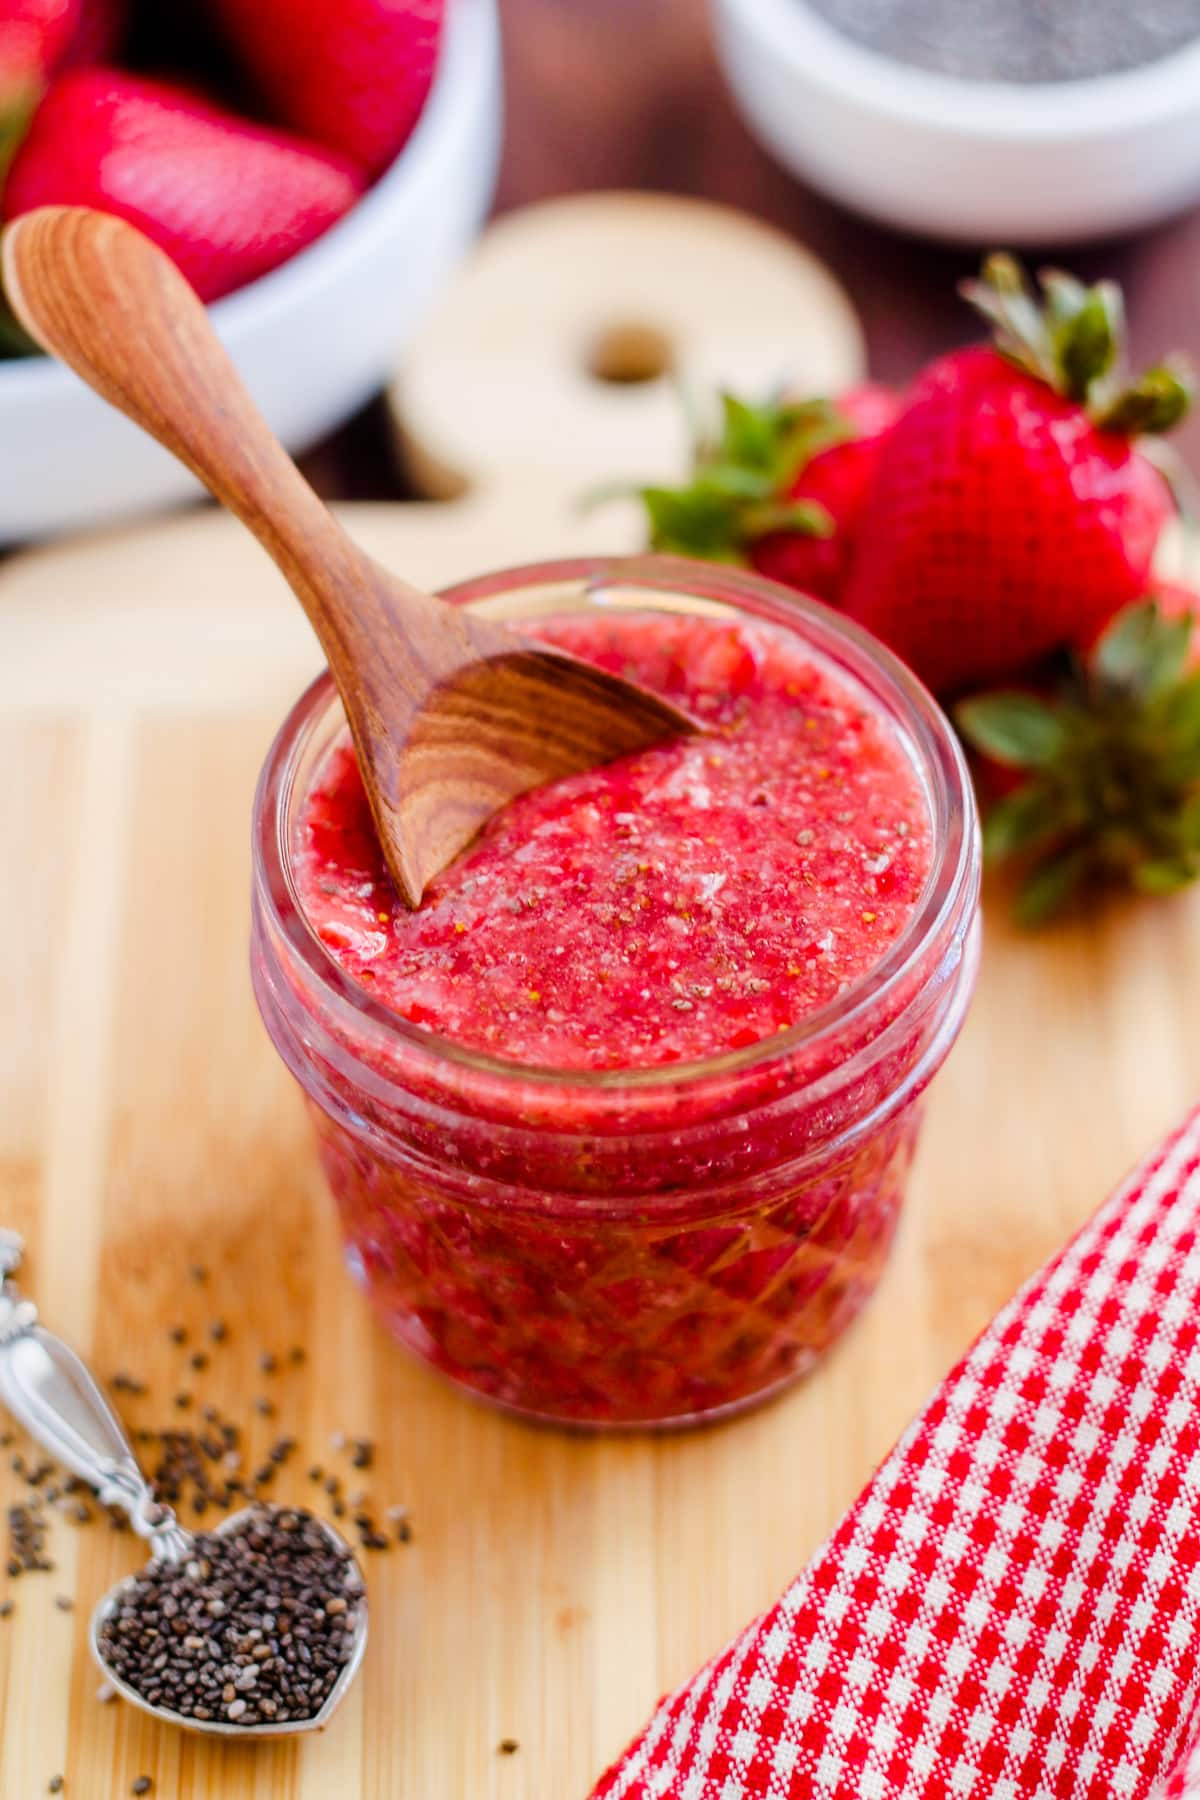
(1073, 339)
(740, 480)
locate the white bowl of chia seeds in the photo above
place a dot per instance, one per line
(1025, 122)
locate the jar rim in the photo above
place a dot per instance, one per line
(951, 886)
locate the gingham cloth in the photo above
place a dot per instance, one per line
(1011, 1609)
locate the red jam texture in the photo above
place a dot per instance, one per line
(697, 898)
(604, 1252)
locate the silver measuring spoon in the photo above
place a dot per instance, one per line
(49, 1390)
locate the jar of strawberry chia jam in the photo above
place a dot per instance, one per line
(619, 1121)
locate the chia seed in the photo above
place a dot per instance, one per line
(1018, 40)
(227, 1662)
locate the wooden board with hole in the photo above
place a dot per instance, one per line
(555, 1585)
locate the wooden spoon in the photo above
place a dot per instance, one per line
(452, 714)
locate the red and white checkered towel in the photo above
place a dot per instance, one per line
(1011, 1609)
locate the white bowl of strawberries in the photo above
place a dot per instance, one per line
(320, 221)
(1000, 526)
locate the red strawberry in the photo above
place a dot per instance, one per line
(353, 74)
(227, 200)
(836, 479)
(1095, 776)
(1011, 510)
(33, 36)
(779, 488)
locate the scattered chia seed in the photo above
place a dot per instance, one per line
(508, 1746)
(142, 1785)
(198, 1359)
(1018, 40)
(218, 1331)
(261, 1621)
(6, 1609)
(106, 1693)
(198, 1273)
(27, 1534)
(178, 1334)
(268, 1363)
(54, 1785)
(64, 1603)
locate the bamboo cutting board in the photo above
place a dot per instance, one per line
(554, 1585)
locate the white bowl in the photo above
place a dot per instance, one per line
(979, 162)
(313, 339)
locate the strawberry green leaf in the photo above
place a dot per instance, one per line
(1073, 339)
(1002, 296)
(729, 481)
(1050, 886)
(1065, 296)
(774, 440)
(1164, 876)
(1021, 821)
(1015, 729)
(742, 478)
(1087, 346)
(749, 433)
(1155, 403)
(806, 516)
(689, 522)
(1179, 715)
(1115, 753)
(16, 115)
(1142, 653)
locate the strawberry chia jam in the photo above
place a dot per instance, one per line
(619, 1121)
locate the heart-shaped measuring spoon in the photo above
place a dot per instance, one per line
(50, 1391)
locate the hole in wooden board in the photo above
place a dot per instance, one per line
(628, 353)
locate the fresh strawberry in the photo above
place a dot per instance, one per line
(34, 34)
(353, 74)
(836, 479)
(1095, 776)
(227, 200)
(1011, 508)
(779, 488)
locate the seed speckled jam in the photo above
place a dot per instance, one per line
(698, 897)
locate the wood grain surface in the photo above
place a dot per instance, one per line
(555, 1585)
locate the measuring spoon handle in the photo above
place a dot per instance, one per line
(50, 1391)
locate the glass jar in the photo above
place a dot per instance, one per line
(642, 1247)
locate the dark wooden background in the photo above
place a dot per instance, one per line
(628, 94)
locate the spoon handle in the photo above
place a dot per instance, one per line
(50, 1391)
(114, 308)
